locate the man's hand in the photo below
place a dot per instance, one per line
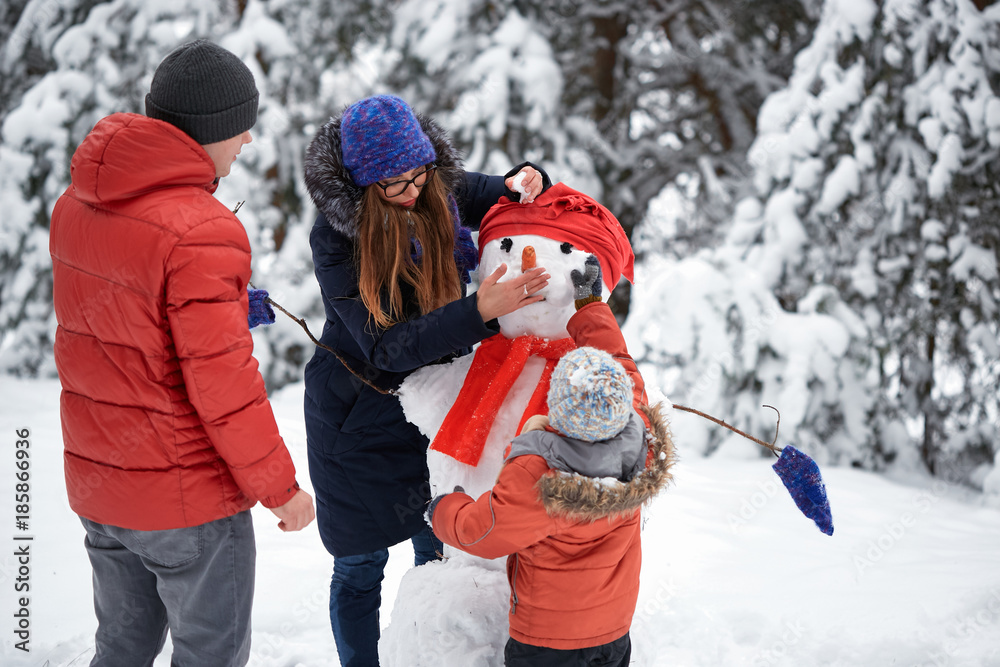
(297, 513)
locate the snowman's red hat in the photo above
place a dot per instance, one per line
(566, 215)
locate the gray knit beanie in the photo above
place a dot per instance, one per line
(204, 90)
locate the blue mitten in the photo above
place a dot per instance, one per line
(801, 476)
(260, 310)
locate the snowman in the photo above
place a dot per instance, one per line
(454, 612)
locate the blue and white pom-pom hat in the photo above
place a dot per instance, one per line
(590, 395)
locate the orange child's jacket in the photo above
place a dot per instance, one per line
(572, 543)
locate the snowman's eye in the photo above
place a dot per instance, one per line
(506, 245)
(567, 248)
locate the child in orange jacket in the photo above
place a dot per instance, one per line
(565, 507)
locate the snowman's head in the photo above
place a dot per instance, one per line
(562, 227)
(547, 318)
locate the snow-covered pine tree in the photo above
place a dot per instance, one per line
(487, 73)
(617, 98)
(71, 63)
(939, 244)
(87, 59)
(496, 76)
(641, 92)
(23, 26)
(661, 91)
(311, 59)
(875, 173)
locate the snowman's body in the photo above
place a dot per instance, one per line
(428, 394)
(474, 586)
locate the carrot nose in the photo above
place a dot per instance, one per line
(527, 258)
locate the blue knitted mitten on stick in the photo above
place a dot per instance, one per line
(260, 310)
(800, 475)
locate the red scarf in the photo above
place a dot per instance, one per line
(497, 363)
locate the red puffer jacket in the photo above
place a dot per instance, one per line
(165, 419)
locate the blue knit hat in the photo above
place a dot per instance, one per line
(590, 395)
(380, 137)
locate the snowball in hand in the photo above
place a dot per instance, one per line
(519, 185)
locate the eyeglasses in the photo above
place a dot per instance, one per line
(396, 188)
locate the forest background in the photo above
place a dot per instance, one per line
(810, 187)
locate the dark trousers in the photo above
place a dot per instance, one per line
(612, 654)
(356, 594)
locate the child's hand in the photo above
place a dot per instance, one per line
(429, 514)
(587, 286)
(535, 423)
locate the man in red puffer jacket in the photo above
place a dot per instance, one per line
(169, 437)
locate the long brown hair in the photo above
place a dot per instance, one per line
(383, 253)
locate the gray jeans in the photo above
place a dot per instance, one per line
(197, 582)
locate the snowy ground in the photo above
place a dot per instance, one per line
(732, 574)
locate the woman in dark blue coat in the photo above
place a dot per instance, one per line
(392, 253)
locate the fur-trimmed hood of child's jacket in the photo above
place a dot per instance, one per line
(334, 192)
(577, 496)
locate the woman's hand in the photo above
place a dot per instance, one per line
(494, 299)
(528, 182)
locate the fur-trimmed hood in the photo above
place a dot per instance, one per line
(577, 496)
(330, 185)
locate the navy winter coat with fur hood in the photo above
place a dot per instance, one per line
(367, 463)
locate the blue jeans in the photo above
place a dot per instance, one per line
(355, 596)
(197, 582)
